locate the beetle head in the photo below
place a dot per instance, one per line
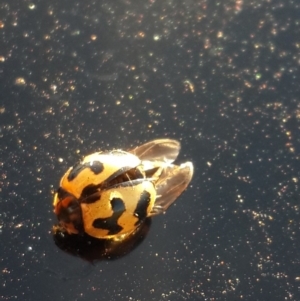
(68, 211)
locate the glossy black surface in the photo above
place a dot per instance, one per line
(222, 77)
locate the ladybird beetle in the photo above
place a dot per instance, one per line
(109, 194)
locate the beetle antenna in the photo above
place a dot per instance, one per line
(129, 180)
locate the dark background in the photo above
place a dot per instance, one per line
(220, 76)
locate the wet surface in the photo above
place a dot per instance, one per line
(222, 77)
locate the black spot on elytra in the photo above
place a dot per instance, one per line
(61, 193)
(95, 166)
(91, 198)
(111, 223)
(89, 190)
(141, 208)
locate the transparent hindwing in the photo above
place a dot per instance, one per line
(161, 150)
(170, 179)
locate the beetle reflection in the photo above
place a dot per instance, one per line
(92, 249)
